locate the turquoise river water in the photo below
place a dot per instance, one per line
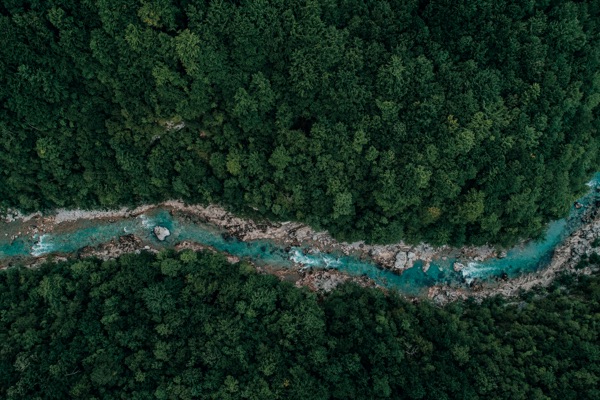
(519, 260)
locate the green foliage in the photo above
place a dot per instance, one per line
(191, 325)
(446, 121)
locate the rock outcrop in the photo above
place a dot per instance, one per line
(116, 247)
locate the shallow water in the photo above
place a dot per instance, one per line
(519, 260)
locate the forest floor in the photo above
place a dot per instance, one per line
(396, 257)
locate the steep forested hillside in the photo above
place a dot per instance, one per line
(192, 326)
(447, 121)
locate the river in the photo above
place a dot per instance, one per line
(523, 259)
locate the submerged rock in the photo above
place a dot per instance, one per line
(426, 266)
(161, 232)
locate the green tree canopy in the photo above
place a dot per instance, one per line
(484, 111)
(190, 325)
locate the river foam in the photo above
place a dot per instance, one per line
(475, 270)
(315, 260)
(42, 246)
(146, 222)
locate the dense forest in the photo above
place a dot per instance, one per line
(449, 121)
(190, 325)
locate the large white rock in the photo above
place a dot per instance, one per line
(161, 232)
(401, 260)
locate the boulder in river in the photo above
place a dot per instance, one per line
(401, 260)
(458, 267)
(161, 232)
